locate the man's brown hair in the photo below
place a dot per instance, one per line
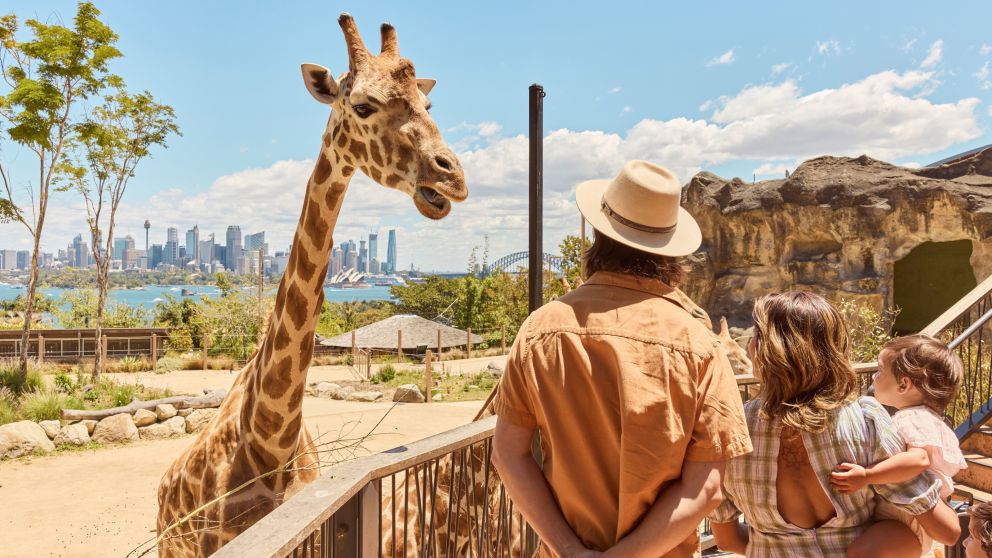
(607, 254)
(933, 368)
(980, 527)
(801, 355)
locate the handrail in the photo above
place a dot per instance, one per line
(279, 532)
(960, 307)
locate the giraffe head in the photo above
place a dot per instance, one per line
(381, 125)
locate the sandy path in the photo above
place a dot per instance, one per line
(102, 502)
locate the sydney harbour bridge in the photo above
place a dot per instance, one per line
(512, 262)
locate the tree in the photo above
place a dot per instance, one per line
(110, 144)
(79, 310)
(433, 299)
(47, 76)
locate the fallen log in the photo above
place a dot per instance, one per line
(206, 401)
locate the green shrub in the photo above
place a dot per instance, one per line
(384, 375)
(64, 383)
(10, 377)
(868, 328)
(8, 413)
(46, 405)
(122, 394)
(179, 340)
(129, 364)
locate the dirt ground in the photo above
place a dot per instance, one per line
(102, 502)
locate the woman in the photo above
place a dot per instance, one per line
(806, 420)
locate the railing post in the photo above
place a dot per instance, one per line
(41, 348)
(206, 347)
(428, 377)
(468, 343)
(399, 343)
(103, 354)
(502, 341)
(345, 525)
(154, 351)
(370, 520)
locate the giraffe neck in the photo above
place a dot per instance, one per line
(272, 410)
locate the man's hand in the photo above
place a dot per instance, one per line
(849, 477)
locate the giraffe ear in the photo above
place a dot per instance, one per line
(425, 85)
(320, 83)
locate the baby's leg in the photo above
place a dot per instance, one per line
(886, 539)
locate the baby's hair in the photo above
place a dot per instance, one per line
(981, 525)
(933, 368)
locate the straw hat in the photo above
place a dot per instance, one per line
(641, 208)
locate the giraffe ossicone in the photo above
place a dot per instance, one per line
(256, 451)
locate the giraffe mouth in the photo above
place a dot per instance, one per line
(431, 203)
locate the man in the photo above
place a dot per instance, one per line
(636, 404)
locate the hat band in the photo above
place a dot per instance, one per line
(636, 226)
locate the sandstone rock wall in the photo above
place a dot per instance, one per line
(837, 226)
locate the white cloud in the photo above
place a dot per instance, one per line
(882, 115)
(827, 48)
(723, 59)
(983, 75)
(772, 169)
(243, 149)
(908, 45)
(911, 165)
(935, 54)
(707, 105)
(779, 68)
(615, 90)
(985, 50)
(627, 109)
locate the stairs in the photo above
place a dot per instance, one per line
(977, 478)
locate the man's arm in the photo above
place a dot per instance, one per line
(529, 490)
(676, 512)
(732, 537)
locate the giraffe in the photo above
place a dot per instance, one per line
(257, 445)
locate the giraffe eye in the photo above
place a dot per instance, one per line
(363, 110)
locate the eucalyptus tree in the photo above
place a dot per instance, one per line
(45, 80)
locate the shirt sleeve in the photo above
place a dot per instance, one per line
(726, 512)
(915, 496)
(514, 400)
(720, 432)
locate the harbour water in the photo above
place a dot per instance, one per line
(148, 296)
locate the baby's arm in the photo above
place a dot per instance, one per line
(901, 467)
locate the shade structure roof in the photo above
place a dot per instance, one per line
(417, 332)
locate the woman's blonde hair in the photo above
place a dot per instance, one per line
(801, 356)
(933, 368)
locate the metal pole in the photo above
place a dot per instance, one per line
(536, 243)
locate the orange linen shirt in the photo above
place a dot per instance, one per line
(624, 385)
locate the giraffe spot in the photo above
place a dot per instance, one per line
(291, 266)
(331, 198)
(337, 127)
(323, 169)
(304, 266)
(337, 157)
(392, 180)
(266, 420)
(296, 306)
(387, 146)
(282, 337)
(347, 171)
(374, 152)
(319, 291)
(347, 126)
(291, 435)
(295, 399)
(327, 140)
(261, 457)
(279, 378)
(306, 349)
(342, 140)
(315, 226)
(280, 297)
(405, 158)
(376, 175)
(358, 150)
(347, 159)
(375, 128)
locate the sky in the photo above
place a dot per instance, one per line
(733, 88)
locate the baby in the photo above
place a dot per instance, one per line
(919, 376)
(979, 541)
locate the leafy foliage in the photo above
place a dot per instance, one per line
(868, 328)
(340, 317)
(79, 310)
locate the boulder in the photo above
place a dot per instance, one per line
(325, 389)
(185, 412)
(198, 419)
(117, 428)
(165, 412)
(144, 417)
(90, 425)
(437, 397)
(20, 438)
(343, 393)
(51, 427)
(408, 393)
(495, 368)
(365, 396)
(73, 434)
(169, 428)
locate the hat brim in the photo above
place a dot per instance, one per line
(684, 240)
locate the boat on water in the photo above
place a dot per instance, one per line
(187, 292)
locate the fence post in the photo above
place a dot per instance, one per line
(206, 347)
(354, 346)
(439, 343)
(428, 377)
(502, 341)
(103, 354)
(154, 351)
(468, 343)
(399, 343)
(41, 348)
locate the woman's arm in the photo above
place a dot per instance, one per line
(732, 537)
(901, 467)
(942, 524)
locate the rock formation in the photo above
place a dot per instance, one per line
(839, 226)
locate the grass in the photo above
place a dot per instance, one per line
(46, 405)
(452, 387)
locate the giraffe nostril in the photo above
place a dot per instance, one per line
(443, 163)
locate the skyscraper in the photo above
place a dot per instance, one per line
(81, 252)
(206, 253)
(193, 243)
(170, 254)
(391, 252)
(336, 262)
(8, 259)
(256, 242)
(233, 250)
(363, 258)
(24, 259)
(156, 256)
(351, 257)
(373, 251)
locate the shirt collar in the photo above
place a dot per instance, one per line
(655, 287)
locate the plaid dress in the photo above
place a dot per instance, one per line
(862, 433)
